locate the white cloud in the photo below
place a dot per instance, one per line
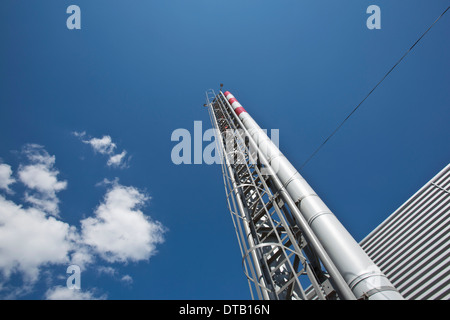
(79, 134)
(102, 145)
(105, 146)
(10, 292)
(117, 160)
(81, 255)
(29, 240)
(33, 237)
(127, 279)
(120, 232)
(6, 177)
(107, 183)
(41, 178)
(107, 270)
(114, 273)
(64, 293)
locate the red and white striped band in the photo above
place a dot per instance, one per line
(238, 108)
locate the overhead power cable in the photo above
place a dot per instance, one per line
(373, 89)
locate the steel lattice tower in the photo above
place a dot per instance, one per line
(292, 245)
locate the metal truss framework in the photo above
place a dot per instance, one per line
(278, 260)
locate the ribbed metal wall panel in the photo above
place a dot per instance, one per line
(412, 246)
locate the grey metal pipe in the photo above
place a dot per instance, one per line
(363, 277)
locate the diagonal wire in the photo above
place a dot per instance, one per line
(379, 82)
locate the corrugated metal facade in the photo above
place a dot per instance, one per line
(412, 246)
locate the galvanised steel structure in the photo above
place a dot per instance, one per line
(289, 239)
(412, 246)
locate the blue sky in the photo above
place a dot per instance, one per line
(137, 71)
